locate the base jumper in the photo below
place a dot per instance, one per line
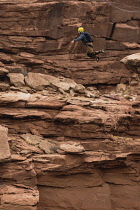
(86, 38)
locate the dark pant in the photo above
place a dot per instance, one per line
(90, 51)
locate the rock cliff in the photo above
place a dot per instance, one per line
(69, 126)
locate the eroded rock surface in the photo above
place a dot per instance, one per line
(69, 127)
(4, 148)
(132, 62)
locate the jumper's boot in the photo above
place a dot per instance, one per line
(91, 55)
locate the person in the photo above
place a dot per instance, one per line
(86, 38)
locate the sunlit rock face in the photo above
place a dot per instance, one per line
(36, 35)
(132, 62)
(4, 149)
(69, 126)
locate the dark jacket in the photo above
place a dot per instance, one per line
(85, 37)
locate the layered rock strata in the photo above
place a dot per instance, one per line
(70, 148)
(36, 37)
(69, 127)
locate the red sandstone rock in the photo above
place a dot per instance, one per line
(132, 62)
(3, 71)
(22, 197)
(72, 148)
(16, 79)
(106, 175)
(4, 146)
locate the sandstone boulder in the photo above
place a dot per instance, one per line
(132, 62)
(40, 81)
(72, 147)
(32, 139)
(16, 79)
(48, 146)
(4, 146)
(36, 81)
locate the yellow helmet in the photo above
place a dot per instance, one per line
(80, 29)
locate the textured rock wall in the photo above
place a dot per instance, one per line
(65, 145)
(36, 37)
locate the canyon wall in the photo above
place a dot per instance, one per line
(35, 36)
(69, 126)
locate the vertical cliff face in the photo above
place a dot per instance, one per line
(69, 126)
(35, 36)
